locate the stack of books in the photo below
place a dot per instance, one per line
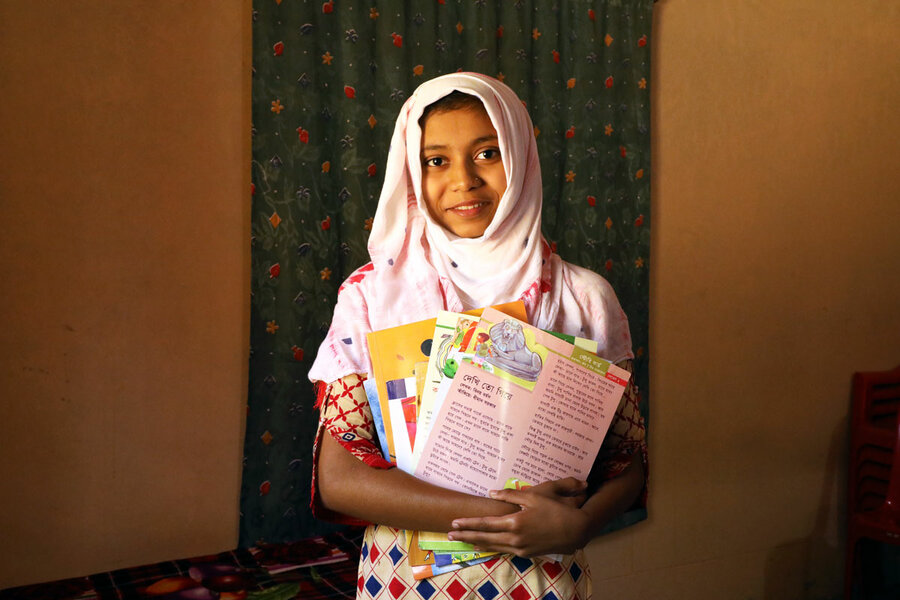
(483, 400)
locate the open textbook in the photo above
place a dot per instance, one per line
(528, 406)
(454, 342)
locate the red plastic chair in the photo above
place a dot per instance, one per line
(873, 507)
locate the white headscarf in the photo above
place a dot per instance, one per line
(419, 268)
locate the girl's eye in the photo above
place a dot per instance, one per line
(489, 154)
(435, 161)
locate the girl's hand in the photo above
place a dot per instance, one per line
(549, 521)
(570, 491)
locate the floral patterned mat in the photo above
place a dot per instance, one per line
(320, 567)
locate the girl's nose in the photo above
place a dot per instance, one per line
(464, 176)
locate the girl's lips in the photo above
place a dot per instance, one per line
(469, 209)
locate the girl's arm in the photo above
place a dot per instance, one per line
(351, 479)
(391, 497)
(348, 486)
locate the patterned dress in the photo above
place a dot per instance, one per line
(384, 569)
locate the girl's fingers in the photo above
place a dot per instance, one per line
(487, 541)
(568, 486)
(559, 488)
(525, 498)
(574, 496)
(572, 487)
(489, 524)
(574, 501)
(519, 497)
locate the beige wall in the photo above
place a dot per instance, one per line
(776, 274)
(124, 261)
(124, 202)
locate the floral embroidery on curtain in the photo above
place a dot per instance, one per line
(328, 80)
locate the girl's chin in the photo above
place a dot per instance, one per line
(468, 228)
(469, 223)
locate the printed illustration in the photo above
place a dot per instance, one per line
(510, 353)
(450, 344)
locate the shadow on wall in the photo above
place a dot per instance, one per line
(811, 568)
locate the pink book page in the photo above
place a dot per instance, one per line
(492, 427)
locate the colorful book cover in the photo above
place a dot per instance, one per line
(377, 417)
(403, 408)
(396, 351)
(432, 540)
(585, 344)
(443, 559)
(451, 333)
(433, 570)
(416, 555)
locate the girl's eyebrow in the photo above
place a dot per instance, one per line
(476, 141)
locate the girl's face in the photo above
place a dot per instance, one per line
(463, 177)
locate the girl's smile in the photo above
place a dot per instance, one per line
(463, 177)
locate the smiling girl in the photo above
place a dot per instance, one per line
(458, 227)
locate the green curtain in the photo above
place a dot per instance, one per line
(328, 81)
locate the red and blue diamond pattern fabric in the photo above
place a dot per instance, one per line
(381, 575)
